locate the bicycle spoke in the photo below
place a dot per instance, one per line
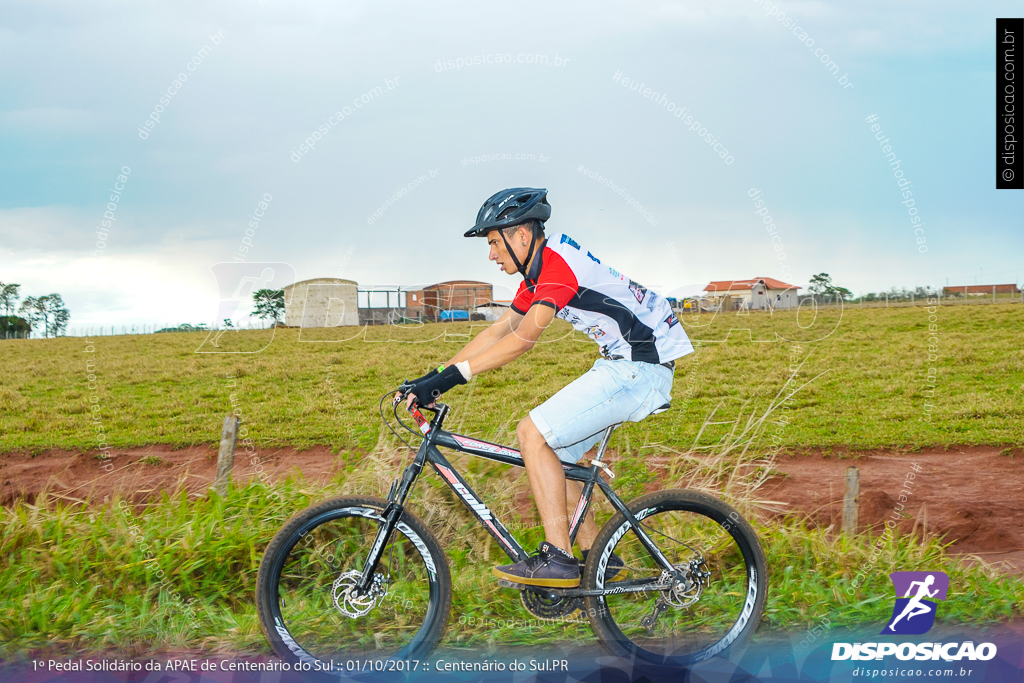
(319, 603)
(692, 616)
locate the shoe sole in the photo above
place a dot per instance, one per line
(544, 583)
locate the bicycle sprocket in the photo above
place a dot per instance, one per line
(545, 608)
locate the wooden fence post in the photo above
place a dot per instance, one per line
(851, 501)
(226, 456)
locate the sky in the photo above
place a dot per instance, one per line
(544, 89)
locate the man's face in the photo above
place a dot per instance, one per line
(500, 254)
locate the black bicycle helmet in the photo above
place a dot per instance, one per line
(510, 207)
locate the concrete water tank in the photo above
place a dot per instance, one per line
(321, 302)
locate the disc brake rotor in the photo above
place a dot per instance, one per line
(351, 604)
(698, 577)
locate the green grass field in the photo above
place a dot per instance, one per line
(72, 578)
(870, 376)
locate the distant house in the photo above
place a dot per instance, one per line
(980, 290)
(494, 309)
(430, 302)
(759, 293)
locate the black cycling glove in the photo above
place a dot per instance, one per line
(433, 373)
(430, 389)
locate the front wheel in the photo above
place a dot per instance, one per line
(305, 591)
(716, 607)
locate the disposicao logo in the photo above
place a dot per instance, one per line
(914, 614)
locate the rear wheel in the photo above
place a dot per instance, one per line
(716, 608)
(306, 598)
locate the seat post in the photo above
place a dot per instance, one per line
(604, 441)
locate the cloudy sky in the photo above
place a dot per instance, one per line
(467, 80)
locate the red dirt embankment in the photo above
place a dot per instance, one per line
(972, 495)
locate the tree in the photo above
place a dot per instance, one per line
(46, 311)
(31, 311)
(821, 283)
(269, 304)
(8, 297)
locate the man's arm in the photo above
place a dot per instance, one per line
(511, 346)
(509, 337)
(502, 327)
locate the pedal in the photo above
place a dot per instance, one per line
(508, 584)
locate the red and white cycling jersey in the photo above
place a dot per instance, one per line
(623, 317)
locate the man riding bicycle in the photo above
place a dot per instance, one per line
(639, 338)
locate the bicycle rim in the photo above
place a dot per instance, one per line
(720, 607)
(314, 610)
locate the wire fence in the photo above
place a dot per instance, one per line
(823, 301)
(123, 330)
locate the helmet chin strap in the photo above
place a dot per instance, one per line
(521, 267)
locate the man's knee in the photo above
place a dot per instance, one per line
(527, 433)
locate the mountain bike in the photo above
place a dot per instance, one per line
(361, 579)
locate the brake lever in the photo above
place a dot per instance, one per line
(402, 392)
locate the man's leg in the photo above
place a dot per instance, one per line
(588, 530)
(547, 481)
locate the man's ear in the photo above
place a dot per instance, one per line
(525, 232)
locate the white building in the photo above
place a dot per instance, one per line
(321, 302)
(759, 293)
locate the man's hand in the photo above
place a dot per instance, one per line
(428, 389)
(398, 395)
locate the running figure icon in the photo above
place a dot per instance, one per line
(915, 607)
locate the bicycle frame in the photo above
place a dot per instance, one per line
(434, 436)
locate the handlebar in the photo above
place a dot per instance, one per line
(414, 408)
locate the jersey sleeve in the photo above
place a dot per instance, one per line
(522, 300)
(557, 284)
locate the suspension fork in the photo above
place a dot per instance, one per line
(393, 513)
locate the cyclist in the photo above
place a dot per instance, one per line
(639, 338)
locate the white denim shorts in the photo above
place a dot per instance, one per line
(612, 391)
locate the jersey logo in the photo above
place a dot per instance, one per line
(593, 257)
(594, 331)
(639, 291)
(568, 240)
(671, 320)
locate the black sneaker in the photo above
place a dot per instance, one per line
(551, 567)
(615, 565)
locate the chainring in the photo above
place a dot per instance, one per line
(545, 608)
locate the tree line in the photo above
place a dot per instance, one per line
(44, 313)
